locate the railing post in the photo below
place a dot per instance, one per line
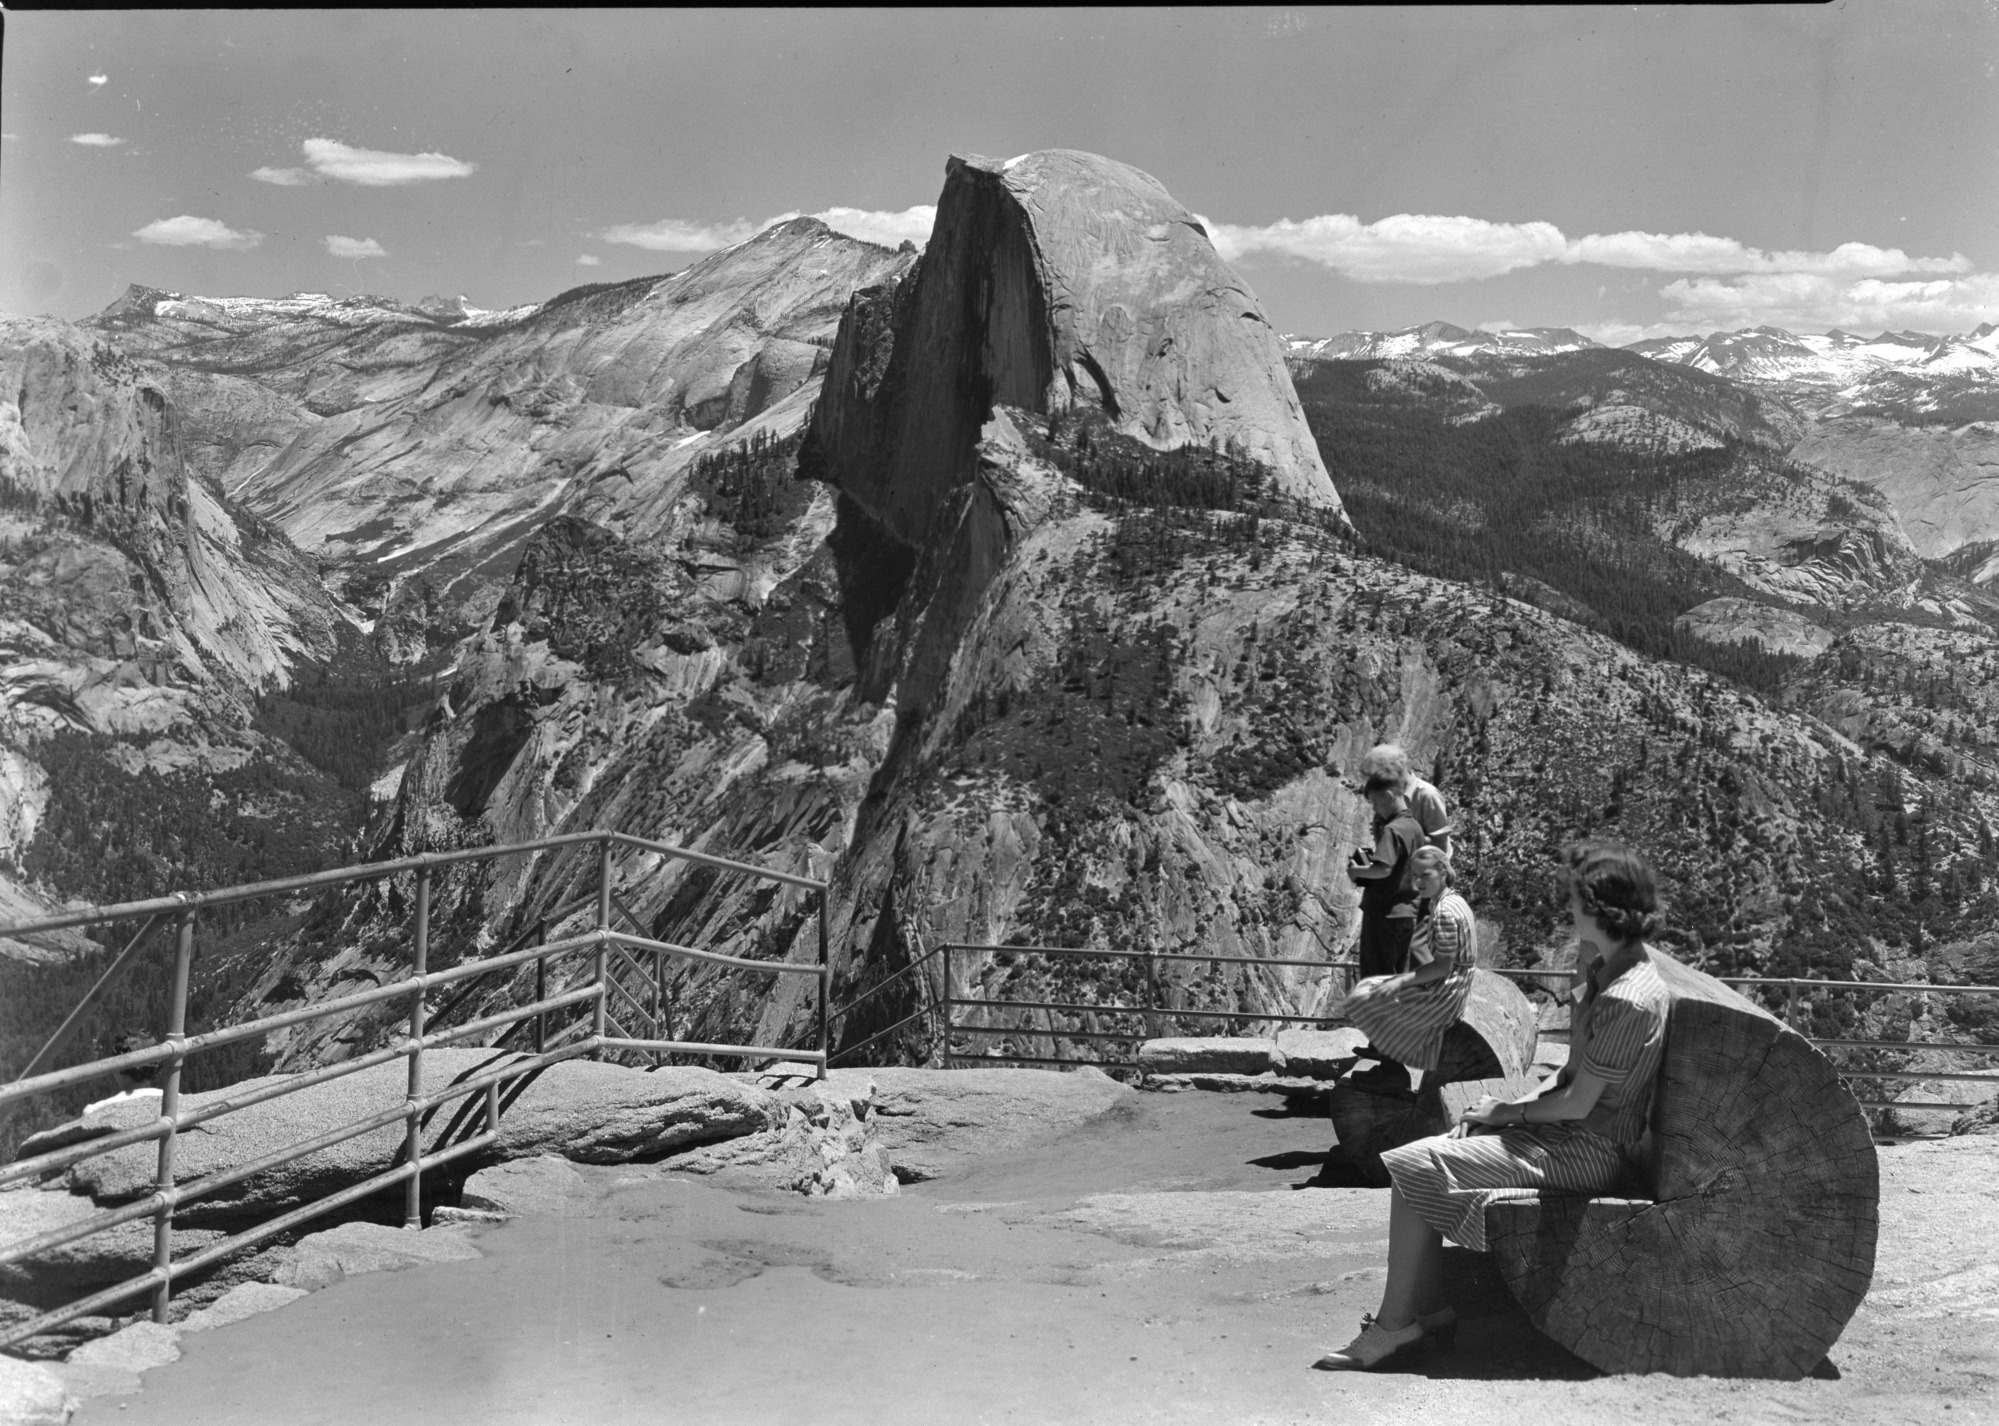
(944, 1002)
(1791, 1005)
(540, 986)
(600, 963)
(413, 1112)
(658, 1004)
(163, 1178)
(825, 985)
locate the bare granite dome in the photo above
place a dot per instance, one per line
(1051, 280)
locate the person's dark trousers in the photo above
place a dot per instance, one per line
(1384, 944)
(1384, 950)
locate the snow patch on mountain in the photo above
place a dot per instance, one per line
(1434, 339)
(1834, 359)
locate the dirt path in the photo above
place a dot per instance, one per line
(1166, 1265)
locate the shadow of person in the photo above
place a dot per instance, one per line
(1295, 1106)
(1291, 1159)
(1335, 1172)
(1495, 1341)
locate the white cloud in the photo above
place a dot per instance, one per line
(98, 80)
(1697, 252)
(354, 247)
(1431, 248)
(1406, 247)
(685, 235)
(283, 177)
(96, 141)
(374, 168)
(589, 260)
(188, 232)
(888, 229)
(1807, 301)
(679, 235)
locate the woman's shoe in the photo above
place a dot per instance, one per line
(1375, 1345)
(1440, 1326)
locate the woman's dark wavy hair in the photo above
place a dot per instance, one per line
(1617, 886)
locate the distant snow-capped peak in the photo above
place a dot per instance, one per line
(1434, 339)
(1837, 358)
(358, 310)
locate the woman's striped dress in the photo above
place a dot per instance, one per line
(1620, 1037)
(1408, 1023)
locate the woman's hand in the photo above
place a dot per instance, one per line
(1493, 1112)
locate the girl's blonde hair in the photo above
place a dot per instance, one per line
(1437, 856)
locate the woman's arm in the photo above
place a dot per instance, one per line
(1564, 1104)
(1448, 941)
(1440, 964)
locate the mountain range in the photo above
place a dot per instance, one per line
(1030, 588)
(1907, 414)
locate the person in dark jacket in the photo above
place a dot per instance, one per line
(1387, 879)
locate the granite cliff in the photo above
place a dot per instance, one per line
(141, 611)
(427, 451)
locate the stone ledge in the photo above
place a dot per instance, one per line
(1268, 1082)
(1211, 1054)
(32, 1394)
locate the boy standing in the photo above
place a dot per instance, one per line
(1386, 879)
(1426, 804)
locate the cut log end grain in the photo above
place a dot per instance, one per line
(1494, 1038)
(1759, 1244)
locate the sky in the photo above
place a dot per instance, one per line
(1628, 172)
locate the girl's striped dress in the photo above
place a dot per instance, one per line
(1620, 1037)
(1408, 1024)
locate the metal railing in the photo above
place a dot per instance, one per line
(604, 1033)
(944, 1004)
(1795, 987)
(942, 1007)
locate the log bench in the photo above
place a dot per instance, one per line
(1489, 1051)
(1756, 1245)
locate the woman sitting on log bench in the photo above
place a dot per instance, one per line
(1405, 1016)
(1578, 1132)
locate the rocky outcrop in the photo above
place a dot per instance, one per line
(128, 574)
(829, 1145)
(1805, 537)
(1779, 631)
(324, 1258)
(584, 1110)
(597, 402)
(1941, 481)
(136, 601)
(1053, 281)
(33, 1395)
(320, 353)
(231, 427)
